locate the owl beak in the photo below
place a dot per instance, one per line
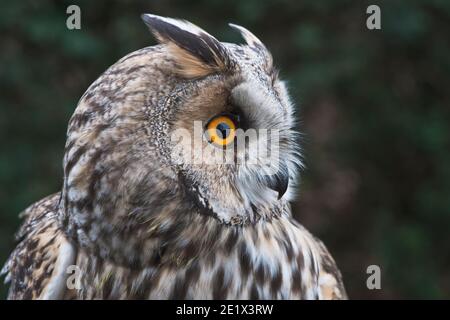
(280, 181)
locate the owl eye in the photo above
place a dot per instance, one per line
(221, 130)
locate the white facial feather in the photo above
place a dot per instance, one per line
(267, 112)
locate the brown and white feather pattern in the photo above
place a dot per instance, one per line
(139, 223)
(280, 260)
(37, 267)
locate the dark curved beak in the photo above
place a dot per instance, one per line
(280, 181)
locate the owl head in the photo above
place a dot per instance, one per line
(189, 126)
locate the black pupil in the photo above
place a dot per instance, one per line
(223, 130)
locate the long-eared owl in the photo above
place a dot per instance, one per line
(180, 163)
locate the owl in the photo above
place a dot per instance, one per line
(166, 195)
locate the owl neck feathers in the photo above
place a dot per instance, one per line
(148, 228)
(197, 254)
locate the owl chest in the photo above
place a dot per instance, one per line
(248, 272)
(237, 277)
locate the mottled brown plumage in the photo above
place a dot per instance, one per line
(139, 221)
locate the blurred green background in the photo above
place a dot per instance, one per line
(373, 107)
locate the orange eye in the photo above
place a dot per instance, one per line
(221, 130)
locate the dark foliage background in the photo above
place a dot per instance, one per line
(373, 105)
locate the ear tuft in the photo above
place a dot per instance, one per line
(254, 43)
(196, 52)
